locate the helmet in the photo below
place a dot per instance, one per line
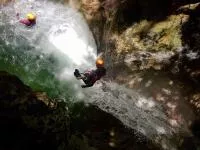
(31, 16)
(99, 63)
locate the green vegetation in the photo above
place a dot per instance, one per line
(152, 36)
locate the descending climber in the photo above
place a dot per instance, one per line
(29, 21)
(91, 76)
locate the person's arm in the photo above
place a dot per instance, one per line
(24, 21)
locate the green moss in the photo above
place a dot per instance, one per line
(152, 36)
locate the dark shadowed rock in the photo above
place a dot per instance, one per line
(29, 120)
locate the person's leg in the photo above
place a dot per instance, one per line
(86, 78)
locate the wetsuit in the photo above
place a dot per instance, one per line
(91, 76)
(27, 22)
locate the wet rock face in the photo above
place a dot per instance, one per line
(27, 120)
(186, 62)
(190, 57)
(104, 16)
(103, 131)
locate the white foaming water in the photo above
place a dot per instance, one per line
(59, 29)
(61, 38)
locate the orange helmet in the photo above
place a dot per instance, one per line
(99, 63)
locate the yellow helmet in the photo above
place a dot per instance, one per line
(99, 63)
(31, 16)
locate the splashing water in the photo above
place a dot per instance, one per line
(60, 42)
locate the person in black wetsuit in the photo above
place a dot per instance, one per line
(91, 76)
